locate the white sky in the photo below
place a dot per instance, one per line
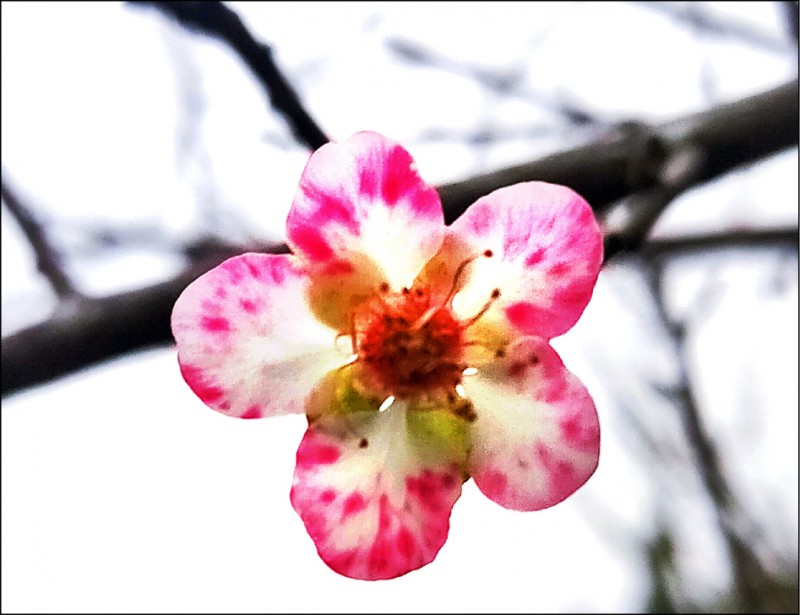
(122, 492)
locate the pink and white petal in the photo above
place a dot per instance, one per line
(364, 197)
(536, 438)
(248, 345)
(546, 250)
(375, 506)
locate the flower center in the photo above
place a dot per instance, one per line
(408, 346)
(409, 343)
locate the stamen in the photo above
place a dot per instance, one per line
(492, 298)
(386, 404)
(451, 294)
(461, 391)
(470, 371)
(459, 272)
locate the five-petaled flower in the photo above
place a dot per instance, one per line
(419, 352)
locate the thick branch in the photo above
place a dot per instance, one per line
(89, 330)
(217, 20)
(756, 238)
(48, 260)
(604, 172)
(727, 136)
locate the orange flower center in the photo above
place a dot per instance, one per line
(407, 345)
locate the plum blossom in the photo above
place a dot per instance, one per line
(419, 352)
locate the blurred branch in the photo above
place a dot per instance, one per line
(749, 238)
(48, 259)
(704, 20)
(217, 20)
(748, 574)
(637, 160)
(792, 14)
(502, 83)
(93, 330)
(726, 137)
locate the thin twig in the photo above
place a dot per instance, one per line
(747, 571)
(691, 13)
(48, 259)
(217, 20)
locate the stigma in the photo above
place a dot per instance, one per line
(410, 343)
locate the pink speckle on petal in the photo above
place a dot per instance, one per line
(332, 208)
(208, 392)
(353, 504)
(311, 242)
(398, 170)
(312, 453)
(535, 257)
(494, 484)
(248, 306)
(253, 412)
(406, 543)
(327, 496)
(215, 324)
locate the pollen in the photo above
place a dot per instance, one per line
(407, 345)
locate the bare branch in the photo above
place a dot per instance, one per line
(747, 571)
(48, 259)
(93, 330)
(702, 20)
(217, 20)
(790, 9)
(604, 172)
(727, 136)
(755, 238)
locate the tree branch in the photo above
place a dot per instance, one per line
(727, 136)
(748, 574)
(755, 238)
(48, 259)
(604, 172)
(702, 20)
(217, 20)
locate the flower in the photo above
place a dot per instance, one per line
(419, 352)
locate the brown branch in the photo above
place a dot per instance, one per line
(92, 330)
(217, 20)
(604, 172)
(48, 259)
(727, 136)
(750, 238)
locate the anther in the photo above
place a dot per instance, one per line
(488, 253)
(384, 287)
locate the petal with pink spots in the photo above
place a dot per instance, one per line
(248, 345)
(536, 438)
(546, 250)
(363, 198)
(374, 504)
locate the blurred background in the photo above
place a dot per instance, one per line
(144, 143)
